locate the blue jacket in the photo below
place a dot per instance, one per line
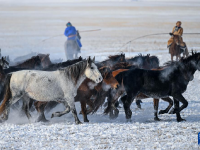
(72, 31)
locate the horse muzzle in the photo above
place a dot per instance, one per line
(98, 80)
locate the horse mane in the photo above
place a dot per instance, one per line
(182, 60)
(121, 65)
(114, 57)
(170, 63)
(29, 60)
(76, 70)
(138, 56)
(155, 58)
(33, 59)
(56, 66)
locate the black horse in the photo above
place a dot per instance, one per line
(171, 81)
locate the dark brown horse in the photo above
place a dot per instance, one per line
(32, 63)
(40, 61)
(175, 49)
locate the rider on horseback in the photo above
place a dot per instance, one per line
(73, 44)
(177, 30)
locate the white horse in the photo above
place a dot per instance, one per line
(60, 85)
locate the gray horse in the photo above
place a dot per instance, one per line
(72, 48)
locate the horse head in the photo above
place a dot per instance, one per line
(92, 71)
(45, 60)
(108, 77)
(4, 63)
(191, 64)
(122, 58)
(38, 63)
(177, 39)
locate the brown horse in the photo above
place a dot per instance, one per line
(175, 49)
(84, 93)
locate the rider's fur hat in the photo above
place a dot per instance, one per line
(178, 23)
(68, 24)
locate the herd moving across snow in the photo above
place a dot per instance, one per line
(39, 82)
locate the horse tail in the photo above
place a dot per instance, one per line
(7, 94)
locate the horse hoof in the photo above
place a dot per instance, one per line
(86, 120)
(78, 122)
(162, 112)
(52, 115)
(180, 120)
(156, 119)
(128, 120)
(42, 120)
(172, 111)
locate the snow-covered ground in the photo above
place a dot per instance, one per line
(25, 25)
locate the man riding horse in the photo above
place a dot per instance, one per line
(177, 30)
(73, 44)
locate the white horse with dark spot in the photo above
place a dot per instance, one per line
(60, 85)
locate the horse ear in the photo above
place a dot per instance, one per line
(88, 61)
(192, 52)
(93, 59)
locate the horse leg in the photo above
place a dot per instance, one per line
(91, 106)
(180, 98)
(6, 106)
(115, 111)
(31, 105)
(40, 106)
(127, 100)
(172, 57)
(176, 58)
(138, 103)
(59, 114)
(169, 100)
(156, 104)
(74, 113)
(178, 116)
(84, 111)
(26, 100)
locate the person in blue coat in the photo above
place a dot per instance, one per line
(73, 44)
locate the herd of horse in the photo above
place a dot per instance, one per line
(41, 85)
